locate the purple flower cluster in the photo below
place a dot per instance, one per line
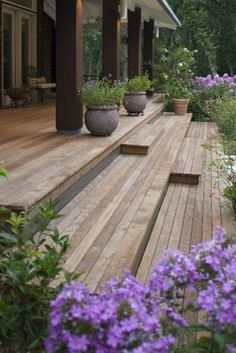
(215, 263)
(123, 317)
(216, 80)
(171, 276)
(210, 270)
(129, 316)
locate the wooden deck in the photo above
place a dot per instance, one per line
(132, 211)
(44, 164)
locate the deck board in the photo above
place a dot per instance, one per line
(97, 242)
(43, 163)
(197, 213)
(188, 166)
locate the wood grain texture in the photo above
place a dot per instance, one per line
(42, 163)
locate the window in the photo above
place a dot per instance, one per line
(19, 44)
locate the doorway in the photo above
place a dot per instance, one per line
(19, 44)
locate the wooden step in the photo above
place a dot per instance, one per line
(188, 166)
(109, 224)
(189, 213)
(142, 142)
(43, 164)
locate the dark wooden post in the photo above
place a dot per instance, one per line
(134, 42)
(111, 39)
(40, 46)
(69, 62)
(148, 48)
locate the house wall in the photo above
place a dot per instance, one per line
(46, 47)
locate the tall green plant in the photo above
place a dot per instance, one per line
(30, 259)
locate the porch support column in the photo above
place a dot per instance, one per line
(148, 48)
(111, 39)
(69, 63)
(134, 42)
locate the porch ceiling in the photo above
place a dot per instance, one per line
(158, 10)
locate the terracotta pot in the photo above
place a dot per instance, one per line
(101, 120)
(181, 106)
(135, 102)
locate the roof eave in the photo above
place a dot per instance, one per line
(164, 4)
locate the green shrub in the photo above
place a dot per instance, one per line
(138, 84)
(223, 164)
(202, 97)
(30, 260)
(230, 193)
(173, 65)
(223, 112)
(176, 89)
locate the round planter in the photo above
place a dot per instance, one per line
(135, 102)
(18, 98)
(181, 106)
(101, 120)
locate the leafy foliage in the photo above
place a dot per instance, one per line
(223, 112)
(203, 100)
(224, 164)
(173, 66)
(3, 172)
(128, 316)
(208, 27)
(19, 90)
(230, 193)
(31, 255)
(102, 92)
(138, 84)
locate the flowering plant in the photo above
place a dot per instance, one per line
(177, 89)
(102, 92)
(129, 316)
(138, 84)
(211, 81)
(209, 272)
(224, 163)
(123, 317)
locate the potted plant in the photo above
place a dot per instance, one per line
(178, 93)
(135, 99)
(19, 94)
(102, 98)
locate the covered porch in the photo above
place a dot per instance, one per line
(111, 16)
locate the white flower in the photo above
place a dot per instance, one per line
(180, 64)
